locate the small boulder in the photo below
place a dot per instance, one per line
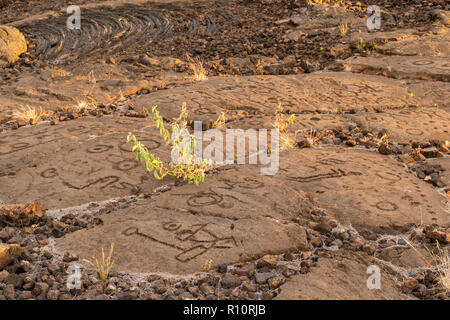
(21, 215)
(12, 44)
(440, 236)
(8, 253)
(267, 261)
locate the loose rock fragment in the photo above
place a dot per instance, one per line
(8, 253)
(12, 44)
(21, 214)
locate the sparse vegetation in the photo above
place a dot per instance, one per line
(343, 28)
(105, 265)
(28, 113)
(361, 46)
(282, 123)
(344, 4)
(85, 105)
(179, 139)
(442, 263)
(220, 122)
(438, 261)
(197, 67)
(311, 137)
(384, 139)
(207, 265)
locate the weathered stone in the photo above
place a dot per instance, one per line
(249, 287)
(410, 284)
(20, 214)
(52, 295)
(229, 224)
(207, 289)
(440, 236)
(15, 279)
(70, 256)
(230, 281)
(12, 44)
(267, 261)
(207, 100)
(423, 68)
(340, 276)
(9, 292)
(274, 282)
(262, 277)
(369, 249)
(111, 178)
(436, 45)
(8, 253)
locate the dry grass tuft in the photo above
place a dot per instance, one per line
(312, 137)
(343, 28)
(104, 265)
(282, 123)
(344, 4)
(207, 265)
(197, 67)
(442, 264)
(85, 105)
(220, 122)
(28, 113)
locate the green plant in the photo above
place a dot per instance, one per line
(282, 124)
(181, 141)
(361, 45)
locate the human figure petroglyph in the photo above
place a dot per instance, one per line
(333, 173)
(191, 242)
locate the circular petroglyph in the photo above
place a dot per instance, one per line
(20, 145)
(100, 148)
(414, 131)
(130, 231)
(150, 144)
(49, 173)
(386, 206)
(204, 199)
(251, 183)
(388, 176)
(171, 226)
(126, 121)
(126, 165)
(422, 62)
(205, 110)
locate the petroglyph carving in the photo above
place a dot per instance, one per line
(191, 242)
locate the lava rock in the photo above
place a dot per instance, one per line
(8, 253)
(230, 281)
